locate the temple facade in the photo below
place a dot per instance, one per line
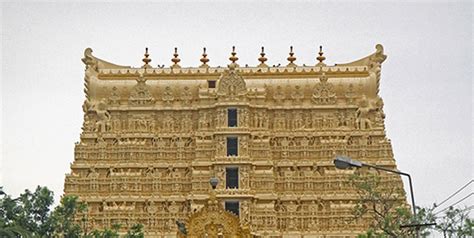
(152, 138)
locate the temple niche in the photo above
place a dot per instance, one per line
(152, 137)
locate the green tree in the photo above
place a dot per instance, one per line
(30, 215)
(454, 222)
(112, 232)
(27, 215)
(63, 217)
(136, 231)
(389, 213)
(383, 204)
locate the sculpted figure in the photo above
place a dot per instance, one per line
(243, 117)
(103, 116)
(298, 121)
(186, 96)
(92, 173)
(298, 94)
(202, 119)
(363, 122)
(265, 120)
(221, 146)
(221, 118)
(279, 95)
(243, 146)
(245, 177)
(168, 124)
(168, 95)
(87, 125)
(114, 97)
(245, 212)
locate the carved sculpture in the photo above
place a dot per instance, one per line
(363, 120)
(324, 92)
(231, 84)
(140, 94)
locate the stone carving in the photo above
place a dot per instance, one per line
(221, 118)
(363, 121)
(213, 221)
(350, 94)
(186, 96)
(168, 96)
(114, 98)
(89, 60)
(324, 92)
(140, 94)
(245, 178)
(231, 84)
(243, 117)
(298, 94)
(103, 116)
(187, 123)
(243, 146)
(279, 95)
(298, 122)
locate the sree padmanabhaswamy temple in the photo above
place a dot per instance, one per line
(153, 137)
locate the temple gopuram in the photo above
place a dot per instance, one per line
(153, 137)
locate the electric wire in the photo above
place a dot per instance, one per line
(452, 195)
(462, 199)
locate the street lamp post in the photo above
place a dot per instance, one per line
(342, 162)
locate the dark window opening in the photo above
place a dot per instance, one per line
(232, 117)
(232, 207)
(232, 146)
(211, 84)
(232, 178)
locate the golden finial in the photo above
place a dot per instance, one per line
(291, 58)
(262, 59)
(321, 58)
(233, 58)
(146, 60)
(175, 60)
(204, 59)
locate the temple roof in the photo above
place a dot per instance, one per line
(106, 69)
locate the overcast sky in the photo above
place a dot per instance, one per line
(426, 80)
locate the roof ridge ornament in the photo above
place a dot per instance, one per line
(146, 60)
(262, 59)
(321, 58)
(291, 58)
(378, 56)
(204, 59)
(175, 60)
(233, 58)
(89, 60)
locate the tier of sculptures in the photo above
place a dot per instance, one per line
(104, 121)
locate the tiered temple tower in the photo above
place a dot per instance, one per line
(153, 137)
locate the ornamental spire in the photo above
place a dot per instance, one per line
(291, 58)
(146, 60)
(262, 59)
(204, 59)
(175, 60)
(233, 58)
(321, 58)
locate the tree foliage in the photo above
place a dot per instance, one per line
(453, 222)
(30, 215)
(385, 206)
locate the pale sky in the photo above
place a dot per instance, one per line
(426, 80)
